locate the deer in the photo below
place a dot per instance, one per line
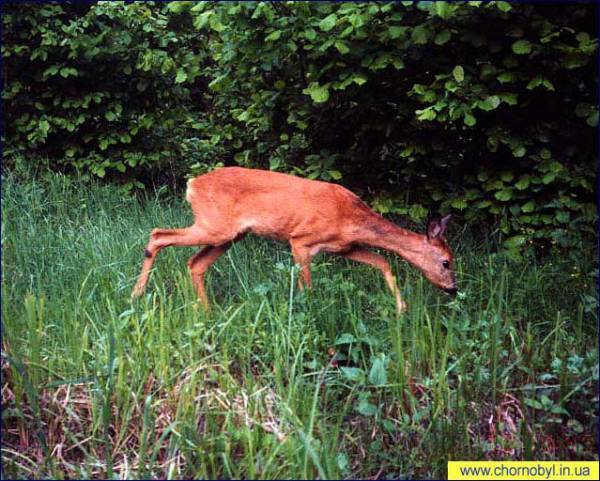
(313, 216)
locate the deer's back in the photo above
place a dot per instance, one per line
(269, 203)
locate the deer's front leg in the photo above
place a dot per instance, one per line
(303, 258)
(379, 262)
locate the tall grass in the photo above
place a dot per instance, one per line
(276, 383)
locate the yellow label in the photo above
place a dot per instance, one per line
(533, 470)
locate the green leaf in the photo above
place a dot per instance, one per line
(318, 93)
(490, 103)
(68, 71)
(420, 35)
(519, 151)
(459, 73)
(345, 338)
(504, 6)
(515, 241)
(396, 32)
(534, 403)
(273, 36)
(341, 46)
(469, 120)
(328, 22)
(426, 114)
(521, 47)
(44, 126)
(366, 408)
(523, 183)
(353, 374)
(506, 77)
(215, 23)
(310, 34)
(377, 374)
(442, 37)
(563, 216)
(528, 207)
(460, 204)
(181, 76)
(504, 195)
(508, 98)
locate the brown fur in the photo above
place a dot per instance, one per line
(312, 216)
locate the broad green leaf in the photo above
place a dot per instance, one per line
(310, 34)
(506, 77)
(353, 373)
(341, 46)
(44, 126)
(358, 79)
(328, 22)
(426, 114)
(366, 408)
(420, 34)
(273, 36)
(469, 120)
(459, 73)
(515, 241)
(521, 47)
(504, 6)
(563, 216)
(508, 98)
(318, 93)
(522, 183)
(377, 374)
(528, 206)
(534, 403)
(181, 76)
(519, 151)
(460, 204)
(396, 32)
(504, 195)
(345, 338)
(490, 103)
(442, 37)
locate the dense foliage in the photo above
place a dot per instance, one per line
(487, 109)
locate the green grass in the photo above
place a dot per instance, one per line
(275, 383)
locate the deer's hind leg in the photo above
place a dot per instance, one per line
(161, 238)
(201, 261)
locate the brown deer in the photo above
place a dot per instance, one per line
(312, 216)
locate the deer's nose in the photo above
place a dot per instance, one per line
(451, 290)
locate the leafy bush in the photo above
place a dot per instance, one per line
(486, 109)
(99, 88)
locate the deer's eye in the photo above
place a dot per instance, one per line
(446, 264)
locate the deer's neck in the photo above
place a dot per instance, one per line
(376, 231)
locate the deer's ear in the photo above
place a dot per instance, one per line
(436, 227)
(444, 222)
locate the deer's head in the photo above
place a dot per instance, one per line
(437, 262)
